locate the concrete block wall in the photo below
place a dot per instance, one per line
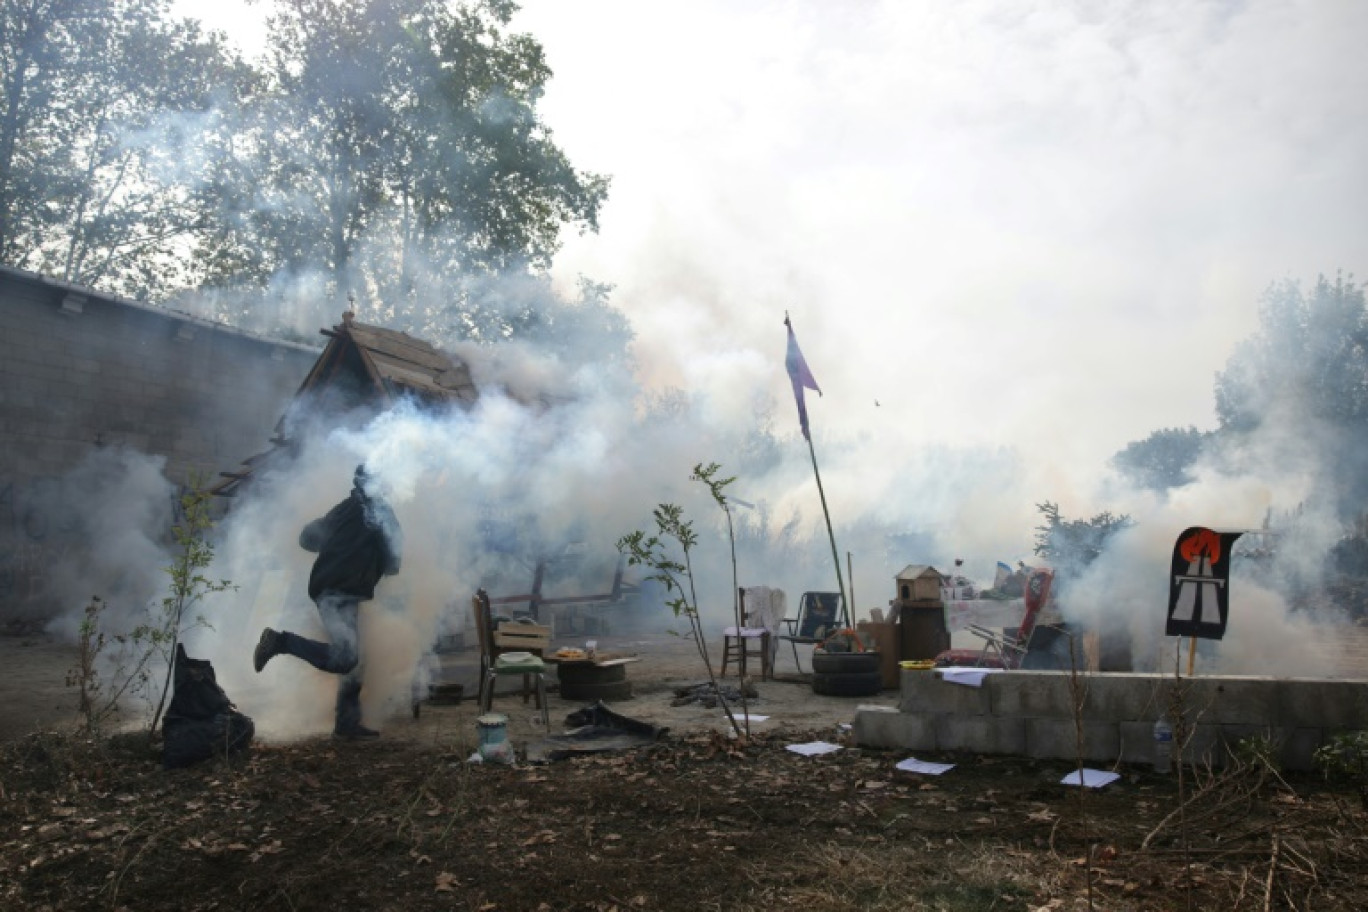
(1031, 713)
(79, 370)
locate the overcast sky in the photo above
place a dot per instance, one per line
(1043, 224)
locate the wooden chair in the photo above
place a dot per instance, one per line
(819, 616)
(498, 646)
(751, 641)
(999, 649)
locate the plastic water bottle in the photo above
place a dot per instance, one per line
(1163, 746)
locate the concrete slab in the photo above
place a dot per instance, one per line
(1322, 704)
(1299, 750)
(1202, 746)
(1032, 693)
(1237, 701)
(1124, 697)
(910, 731)
(926, 692)
(1135, 742)
(1057, 739)
(1292, 748)
(981, 734)
(1032, 713)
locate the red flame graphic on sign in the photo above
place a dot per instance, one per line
(1203, 541)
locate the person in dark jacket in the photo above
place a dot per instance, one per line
(357, 543)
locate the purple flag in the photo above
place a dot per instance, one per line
(800, 376)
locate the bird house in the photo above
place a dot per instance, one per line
(918, 583)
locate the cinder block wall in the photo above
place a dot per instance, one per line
(79, 370)
(1031, 713)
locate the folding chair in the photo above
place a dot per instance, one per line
(506, 658)
(819, 613)
(1000, 650)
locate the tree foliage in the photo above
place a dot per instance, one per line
(1308, 359)
(1162, 460)
(386, 152)
(1070, 545)
(1303, 378)
(100, 101)
(394, 155)
(1298, 385)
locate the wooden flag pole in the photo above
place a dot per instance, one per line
(802, 379)
(1192, 655)
(850, 572)
(835, 555)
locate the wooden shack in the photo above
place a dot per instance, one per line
(918, 583)
(366, 369)
(919, 613)
(365, 365)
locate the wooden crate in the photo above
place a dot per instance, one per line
(533, 638)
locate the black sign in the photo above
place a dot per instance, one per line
(1199, 584)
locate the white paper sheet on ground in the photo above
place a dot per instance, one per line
(969, 677)
(744, 717)
(813, 748)
(913, 765)
(1091, 778)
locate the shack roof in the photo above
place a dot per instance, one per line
(392, 363)
(368, 365)
(917, 571)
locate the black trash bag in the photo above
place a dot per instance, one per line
(201, 721)
(598, 715)
(595, 729)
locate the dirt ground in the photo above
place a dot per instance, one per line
(33, 692)
(695, 820)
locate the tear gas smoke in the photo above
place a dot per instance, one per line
(479, 492)
(561, 449)
(106, 523)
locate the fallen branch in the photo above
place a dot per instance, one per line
(1272, 869)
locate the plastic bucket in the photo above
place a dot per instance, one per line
(493, 729)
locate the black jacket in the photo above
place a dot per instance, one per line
(357, 543)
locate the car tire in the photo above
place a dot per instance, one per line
(857, 684)
(839, 663)
(612, 691)
(590, 674)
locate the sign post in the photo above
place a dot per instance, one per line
(1199, 587)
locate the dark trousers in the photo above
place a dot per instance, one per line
(339, 656)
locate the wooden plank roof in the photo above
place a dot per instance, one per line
(393, 364)
(401, 363)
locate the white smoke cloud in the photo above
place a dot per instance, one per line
(587, 465)
(1039, 227)
(105, 526)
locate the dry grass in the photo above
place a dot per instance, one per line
(686, 824)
